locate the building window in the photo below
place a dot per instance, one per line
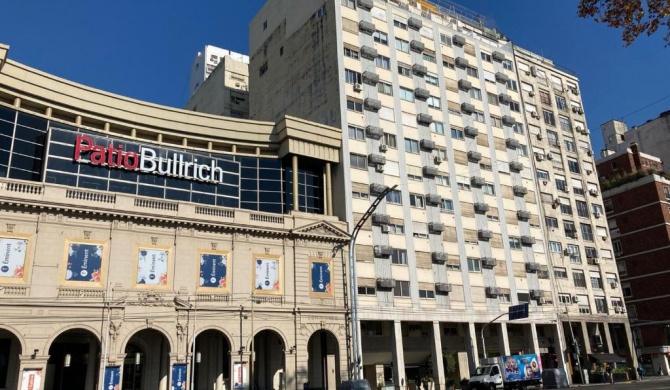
(396, 229)
(447, 206)
(566, 207)
(448, 64)
(385, 88)
(512, 85)
(582, 209)
(561, 103)
(416, 200)
(666, 192)
(474, 264)
(560, 273)
(358, 161)
(456, 133)
(437, 127)
(596, 281)
(476, 93)
(587, 232)
(551, 222)
(578, 278)
(445, 39)
(399, 256)
(263, 69)
(485, 56)
(383, 62)
(401, 289)
(542, 175)
(431, 79)
(411, 146)
(406, 94)
(515, 243)
(390, 141)
(492, 99)
(514, 106)
(354, 106)
(401, 25)
(404, 71)
(618, 248)
(489, 189)
(357, 133)
(555, 247)
(561, 184)
(429, 57)
(518, 128)
(478, 116)
(442, 180)
(565, 299)
(402, 45)
(570, 145)
(575, 254)
(349, 3)
(496, 122)
(394, 197)
(351, 53)
(573, 165)
(549, 117)
(564, 123)
(360, 195)
(352, 77)
(472, 71)
(570, 229)
(545, 98)
(426, 294)
(380, 37)
(601, 305)
(363, 290)
(434, 102)
(626, 290)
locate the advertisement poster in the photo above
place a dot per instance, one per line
(84, 262)
(13, 257)
(522, 367)
(179, 377)
(320, 277)
(112, 378)
(240, 373)
(31, 380)
(267, 275)
(152, 266)
(213, 270)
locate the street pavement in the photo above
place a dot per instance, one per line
(649, 383)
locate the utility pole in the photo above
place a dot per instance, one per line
(357, 358)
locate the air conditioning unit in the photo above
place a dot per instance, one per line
(540, 136)
(535, 294)
(594, 260)
(550, 156)
(567, 252)
(535, 115)
(438, 160)
(575, 299)
(596, 214)
(383, 148)
(531, 93)
(589, 152)
(539, 157)
(618, 309)
(574, 109)
(379, 167)
(580, 111)
(358, 87)
(541, 301)
(614, 284)
(492, 291)
(385, 229)
(385, 283)
(579, 129)
(593, 192)
(574, 90)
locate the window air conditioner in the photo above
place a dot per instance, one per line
(383, 148)
(358, 87)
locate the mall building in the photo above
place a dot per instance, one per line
(148, 247)
(497, 201)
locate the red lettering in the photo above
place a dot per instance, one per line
(126, 161)
(119, 156)
(84, 144)
(110, 154)
(97, 155)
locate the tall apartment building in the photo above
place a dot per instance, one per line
(636, 199)
(219, 83)
(431, 100)
(652, 137)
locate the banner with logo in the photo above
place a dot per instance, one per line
(240, 375)
(214, 270)
(31, 379)
(84, 262)
(320, 271)
(267, 275)
(13, 254)
(179, 377)
(112, 379)
(153, 266)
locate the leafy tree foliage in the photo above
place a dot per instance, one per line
(635, 17)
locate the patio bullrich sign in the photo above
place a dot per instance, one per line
(147, 161)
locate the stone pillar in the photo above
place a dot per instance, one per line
(471, 346)
(296, 198)
(608, 337)
(560, 346)
(166, 361)
(630, 350)
(220, 351)
(438, 367)
(235, 357)
(533, 341)
(91, 372)
(329, 190)
(586, 341)
(39, 362)
(504, 339)
(399, 380)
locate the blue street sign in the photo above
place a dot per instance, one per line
(518, 312)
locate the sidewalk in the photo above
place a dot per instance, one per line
(654, 378)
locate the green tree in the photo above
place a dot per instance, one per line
(450, 365)
(635, 17)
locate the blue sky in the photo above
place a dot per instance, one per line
(144, 49)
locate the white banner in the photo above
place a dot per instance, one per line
(267, 274)
(152, 266)
(13, 257)
(31, 380)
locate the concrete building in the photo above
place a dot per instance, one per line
(431, 100)
(145, 246)
(219, 83)
(652, 137)
(636, 199)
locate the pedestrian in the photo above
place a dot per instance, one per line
(640, 372)
(660, 370)
(610, 376)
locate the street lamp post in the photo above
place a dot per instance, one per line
(357, 359)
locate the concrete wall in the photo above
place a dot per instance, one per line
(225, 92)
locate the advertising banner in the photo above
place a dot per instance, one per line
(84, 262)
(31, 379)
(213, 270)
(112, 379)
(179, 377)
(240, 375)
(522, 367)
(13, 257)
(320, 277)
(267, 275)
(152, 266)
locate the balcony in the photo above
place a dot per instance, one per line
(489, 262)
(467, 108)
(424, 119)
(381, 219)
(523, 215)
(417, 46)
(505, 98)
(477, 181)
(419, 70)
(532, 267)
(492, 292)
(435, 227)
(376, 159)
(498, 56)
(515, 166)
(414, 23)
(464, 85)
(520, 190)
(370, 78)
(481, 208)
(484, 235)
(386, 284)
(443, 288)
(462, 62)
(372, 104)
(427, 144)
(439, 257)
(502, 78)
(512, 143)
(366, 4)
(429, 171)
(458, 40)
(383, 251)
(470, 131)
(369, 52)
(508, 120)
(421, 93)
(527, 240)
(376, 188)
(374, 132)
(433, 199)
(366, 27)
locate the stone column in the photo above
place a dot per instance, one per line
(220, 351)
(166, 362)
(632, 357)
(560, 346)
(329, 190)
(235, 357)
(586, 341)
(608, 337)
(91, 372)
(504, 339)
(399, 380)
(39, 362)
(296, 198)
(471, 346)
(533, 341)
(438, 367)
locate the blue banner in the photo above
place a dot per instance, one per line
(522, 367)
(179, 377)
(112, 378)
(213, 270)
(83, 262)
(321, 277)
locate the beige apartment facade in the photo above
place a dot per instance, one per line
(148, 247)
(429, 99)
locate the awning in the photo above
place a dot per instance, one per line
(607, 358)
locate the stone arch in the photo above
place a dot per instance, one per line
(90, 329)
(324, 360)
(16, 334)
(134, 331)
(217, 328)
(281, 335)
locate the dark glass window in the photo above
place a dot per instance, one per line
(32, 121)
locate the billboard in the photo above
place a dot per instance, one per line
(522, 367)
